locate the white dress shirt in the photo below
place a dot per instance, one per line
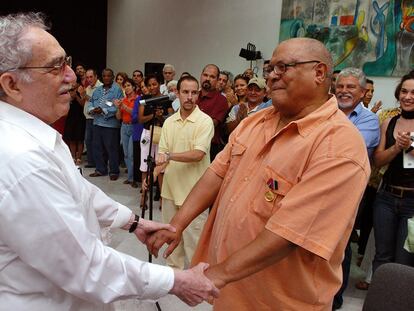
(51, 253)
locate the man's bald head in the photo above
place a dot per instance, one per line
(307, 48)
(301, 76)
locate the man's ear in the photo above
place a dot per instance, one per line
(321, 73)
(10, 86)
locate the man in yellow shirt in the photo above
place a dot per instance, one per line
(184, 151)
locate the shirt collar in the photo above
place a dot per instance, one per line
(191, 118)
(35, 127)
(312, 120)
(357, 110)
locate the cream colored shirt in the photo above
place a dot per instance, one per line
(178, 135)
(51, 253)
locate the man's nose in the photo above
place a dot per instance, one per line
(69, 75)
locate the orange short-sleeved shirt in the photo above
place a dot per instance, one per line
(318, 167)
(126, 116)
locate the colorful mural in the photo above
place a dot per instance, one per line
(377, 36)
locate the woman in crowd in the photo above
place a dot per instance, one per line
(146, 114)
(394, 203)
(240, 88)
(74, 133)
(124, 113)
(120, 78)
(239, 110)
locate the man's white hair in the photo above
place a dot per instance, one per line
(168, 66)
(353, 72)
(15, 51)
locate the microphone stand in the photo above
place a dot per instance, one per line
(150, 177)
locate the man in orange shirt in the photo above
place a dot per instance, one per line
(284, 190)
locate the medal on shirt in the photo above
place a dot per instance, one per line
(269, 194)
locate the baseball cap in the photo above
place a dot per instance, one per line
(260, 82)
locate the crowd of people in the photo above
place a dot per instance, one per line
(264, 177)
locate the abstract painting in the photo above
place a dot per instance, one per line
(377, 36)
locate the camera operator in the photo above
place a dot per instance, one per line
(146, 115)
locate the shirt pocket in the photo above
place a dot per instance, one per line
(265, 203)
(237, 151)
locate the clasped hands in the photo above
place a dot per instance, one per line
(192, 286)
(403, 141)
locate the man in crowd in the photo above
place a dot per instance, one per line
(106, 126)
(256, 92)
(51, 254)
(224, 87)
(81, 75)
(184, 150)
(333, 81)
(366, 100)
(265, 72)
(350, 88)
(211, 102)
(222, 82)
(279, 225)
(169, 73)
(86, 95)
(138, 77)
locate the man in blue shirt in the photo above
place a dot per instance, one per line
(350, 90)
(106, 126)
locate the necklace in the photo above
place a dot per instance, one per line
(407, 114)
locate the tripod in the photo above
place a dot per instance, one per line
(150, 176)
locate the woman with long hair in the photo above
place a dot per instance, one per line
(394, 203)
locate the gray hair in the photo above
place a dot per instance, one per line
(15, 51)
(353, 72)
(168, 66)
(172, 83)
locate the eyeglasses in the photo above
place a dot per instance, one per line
(56, 69)
(280, 67)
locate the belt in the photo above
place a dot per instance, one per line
(127, 123)
(398, 191)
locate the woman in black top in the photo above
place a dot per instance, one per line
(394, 203)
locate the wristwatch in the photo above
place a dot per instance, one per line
(134, 224)
(168, 156)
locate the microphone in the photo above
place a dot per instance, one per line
(155, 100)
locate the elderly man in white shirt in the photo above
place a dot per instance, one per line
(51, 254)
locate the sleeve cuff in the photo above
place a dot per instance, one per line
(122, 217)
(161, 281)
(201, 148)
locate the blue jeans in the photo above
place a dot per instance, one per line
(390, 229)
(89, 141)
(127, 145)
(106, 142)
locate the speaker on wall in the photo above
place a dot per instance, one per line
(155, 68)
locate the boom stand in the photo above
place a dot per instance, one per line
(150, 176)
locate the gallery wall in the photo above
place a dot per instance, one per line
(190, 34)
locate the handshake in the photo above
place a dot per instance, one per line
(192, 285)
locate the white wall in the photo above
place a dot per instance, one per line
(189, 33)
(192, 33)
